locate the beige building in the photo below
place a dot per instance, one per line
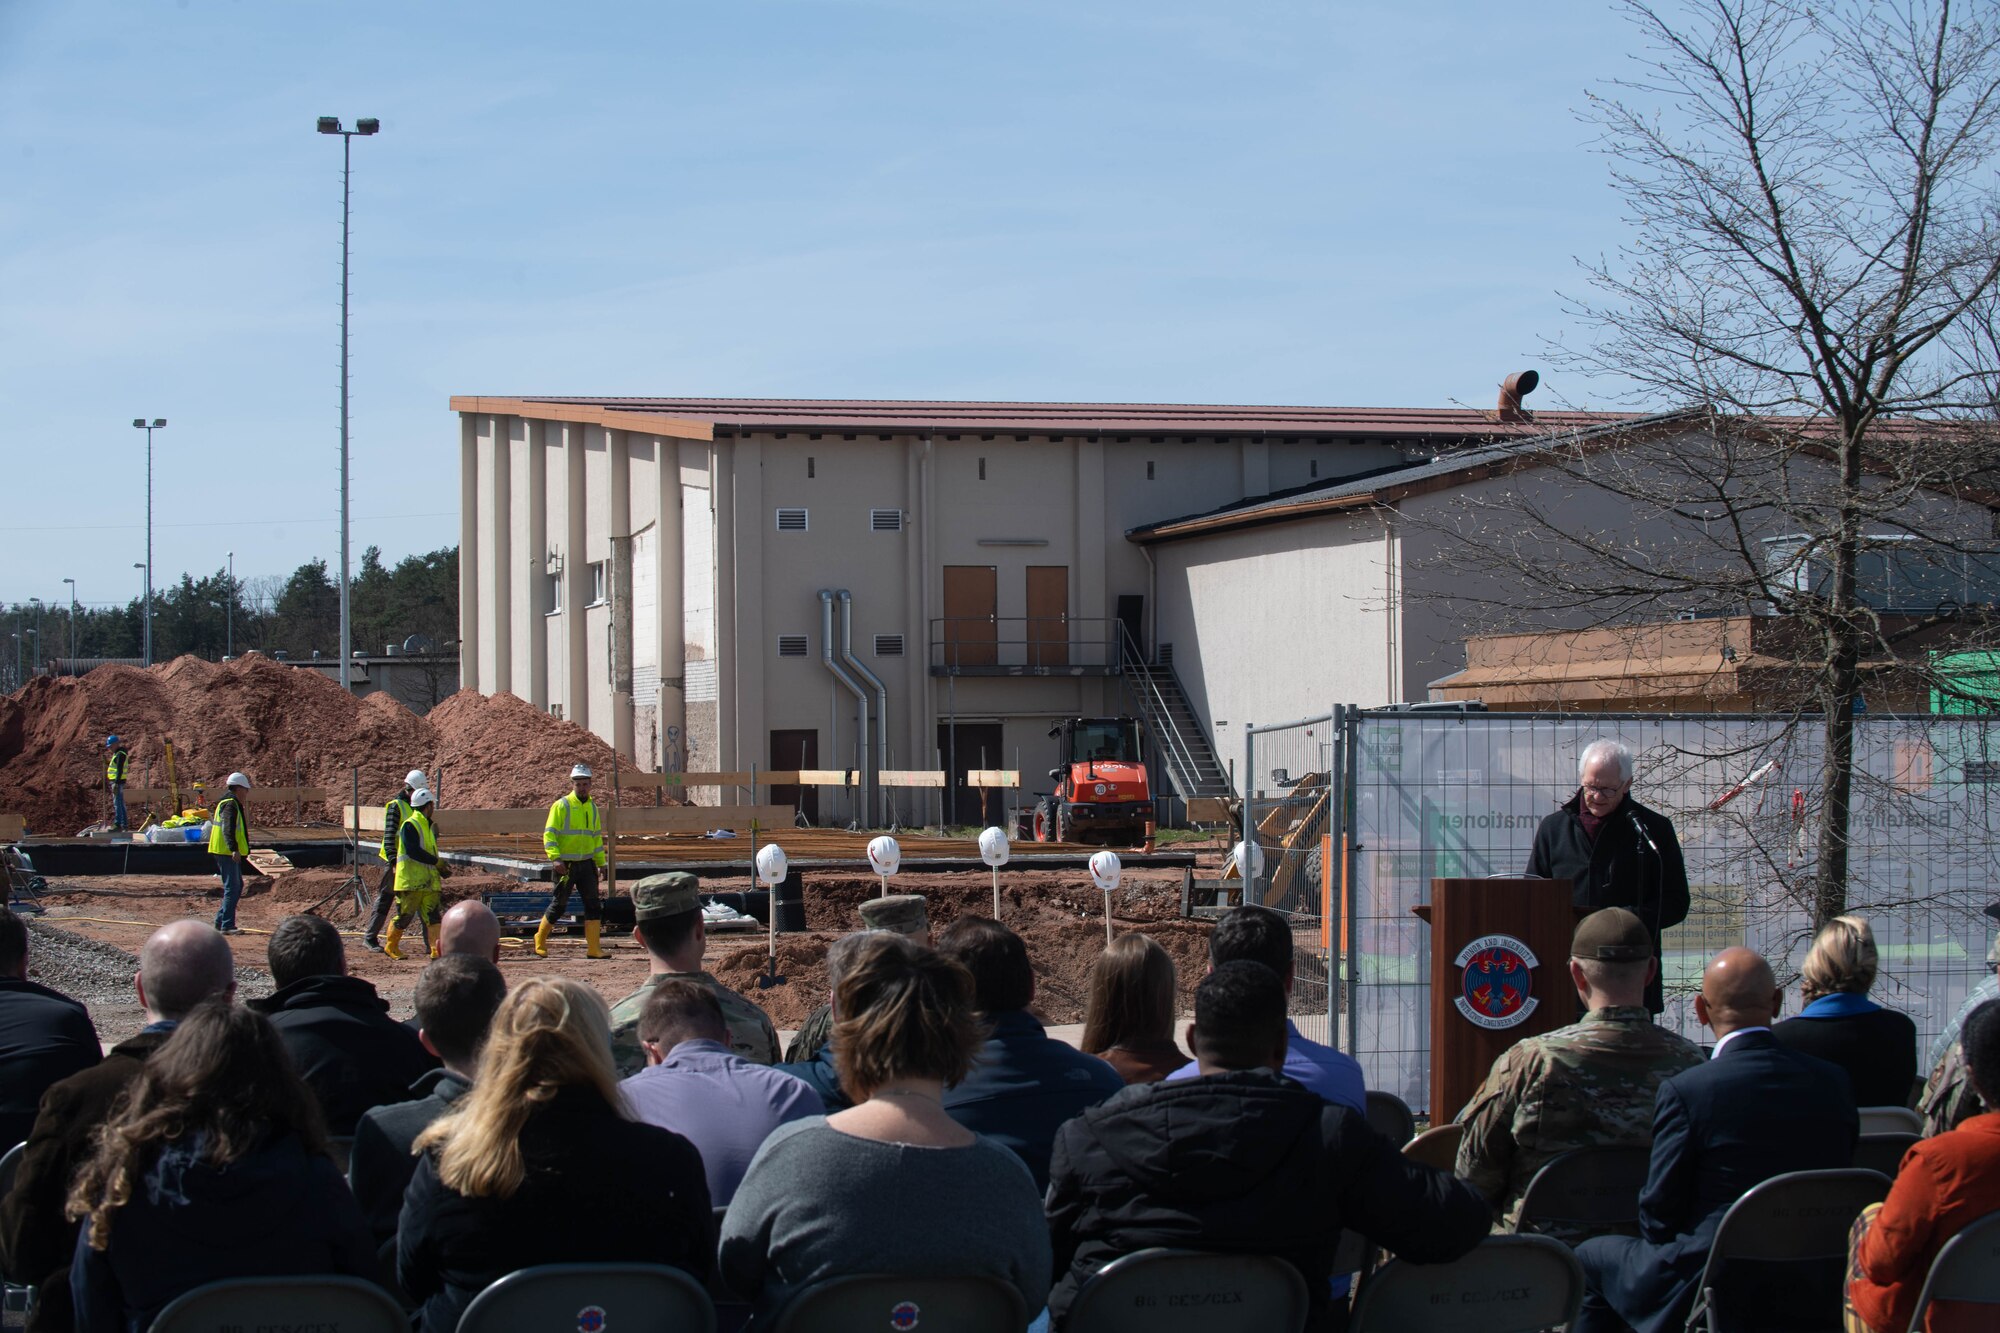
(711, 584)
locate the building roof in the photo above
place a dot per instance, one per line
(708, 417)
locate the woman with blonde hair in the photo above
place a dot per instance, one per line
(1129, 1020)
(892, 1184)
(1876, 1046)
(538, 1164)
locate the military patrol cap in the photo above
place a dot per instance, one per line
(902, 913)
(1613, 935)
(665, 895)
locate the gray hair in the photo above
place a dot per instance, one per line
(1605, 748)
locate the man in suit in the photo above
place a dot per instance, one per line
(1753, 1111)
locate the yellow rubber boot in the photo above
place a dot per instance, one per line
(542, 938)
(394, 938)
(592, 933)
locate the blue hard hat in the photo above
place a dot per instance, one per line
(110, 741)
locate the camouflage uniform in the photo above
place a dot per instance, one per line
(903, 913)
(751, 1033)
(806, 1043)
(1591, 1084)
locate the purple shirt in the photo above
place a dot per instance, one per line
(1335, 1077)
(722, 1103)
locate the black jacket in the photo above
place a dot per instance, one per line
(1619, 869)
(600, 1188)
(1877, 1049)
(44, 1038)
(1248, 1162)
(381, 1164)
(1024, 1085)
(349, 1051)
(36, 1241)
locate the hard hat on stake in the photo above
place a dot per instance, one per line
(1105, 870)
(993, 848)
(771, 864)
(884, 856)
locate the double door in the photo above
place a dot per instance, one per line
(972, 635)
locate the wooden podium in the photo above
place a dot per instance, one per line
(1499, 972)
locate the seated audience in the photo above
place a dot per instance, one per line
(904, 913)
(696, 1086)
(1024, 1083)
(1260, 935)
(1129, 1020)
(44, 1035)
(469, 927)
(1944, 1184)
(892, 1184)
(456, 997)
(1242, 1158)
(215, 1168)
(349, 1051)
(539, 1165)
(180, 965)
(1876, 1046)
(668, 923)
(1589, 1085)
(1755, 1110)
(819, 1072)
(1949, 1099)
(1986, 990)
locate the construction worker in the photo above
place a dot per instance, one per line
(574, 840)
(114, 778)
(419, 876)
(394, 812)
(229, 844)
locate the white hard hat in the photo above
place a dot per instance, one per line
(993, 847)
(414, 778)
(772, 864)
(1105, 870)
(239, 780)
(421, 796)
(884, 856)
(580, 771)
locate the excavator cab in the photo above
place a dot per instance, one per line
(1102, 793)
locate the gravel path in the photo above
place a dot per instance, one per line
(100, 974)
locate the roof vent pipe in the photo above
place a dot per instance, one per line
(1513, 389)
(860, 669)
(860, 695)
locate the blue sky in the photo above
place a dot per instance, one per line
(1368, 204)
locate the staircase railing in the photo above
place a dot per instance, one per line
(1183, 761)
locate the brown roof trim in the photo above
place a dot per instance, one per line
(1305, 508)
(645, 423)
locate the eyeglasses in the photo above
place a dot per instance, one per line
(1603, 791)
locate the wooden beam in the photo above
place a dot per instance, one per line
(629, 819)
(710, 779)
(257, 796)
(993, 777)
(890, 777)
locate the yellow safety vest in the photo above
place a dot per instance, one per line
(573, 833)
(215, 842)
(393, 815)
(114, 768)
(413, 876)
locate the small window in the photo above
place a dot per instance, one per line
(982, 477)
(555, 711)
(600, 582)
(1149, 469)
(791, 520)
(791, 645)
(1315, 467)
(1165, 654)
(885, 520)
(809, 466)
(554, 593)
(888, 645)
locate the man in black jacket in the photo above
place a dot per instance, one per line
(180, 965)
(45, 1036)
(1614, 851)
(1243, 1159)
(349, 1051)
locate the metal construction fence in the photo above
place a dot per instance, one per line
(1405, 796)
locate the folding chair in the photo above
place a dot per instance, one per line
(630, 1298)
(1586, 1192)
(1191, 1291)
(1506, 1284)
(1966, 1269)
(1779, 1257)
(967, 1304)
(1436, 1147)
(338, 1304)
(1890, 1120)
(15, 1298)
(1883, 1152)
(1391, 1117)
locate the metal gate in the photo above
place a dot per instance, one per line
(1289, 810)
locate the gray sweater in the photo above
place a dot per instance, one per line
(819, 1204)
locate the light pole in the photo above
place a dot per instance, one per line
(157, 423)
(38, 634)
(365, 126)
(146, 609)
(229, 638)
(72, 622)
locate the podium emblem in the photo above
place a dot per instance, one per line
(1494, 977)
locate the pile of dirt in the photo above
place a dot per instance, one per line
(284, 726)
(301, 889)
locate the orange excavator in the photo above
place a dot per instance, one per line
(1102, 793)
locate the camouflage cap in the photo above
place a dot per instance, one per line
(902, 913)
(665, 895)
(1613, 935)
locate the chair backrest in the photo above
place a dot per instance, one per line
(1890, 1120)
(630, 1298)
(333, 1304)
(1391, 1117)
(1966, 1269)
(1436, 1147)
(1883, 1152)
(970, 1303)
(1191, 1291)
(1780, 1253)
(1585, 1192)
(1506, 1284)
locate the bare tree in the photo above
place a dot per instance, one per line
(1811, 280)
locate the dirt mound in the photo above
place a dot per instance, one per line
(500, 752)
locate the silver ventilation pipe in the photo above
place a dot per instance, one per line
(881, 700)
(840, 674)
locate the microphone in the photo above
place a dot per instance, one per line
(1640, 825)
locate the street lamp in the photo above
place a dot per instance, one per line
(365, 126)
(157, 423)
(229, 639)
(146, 610)
(38, 634)
(72, 622)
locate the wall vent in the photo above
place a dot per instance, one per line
(885, 520)
(792, 645)
(888, 645)
(791, 520)
(1165, 655)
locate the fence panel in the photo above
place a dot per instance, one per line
(1290, 808)
(1462, 794)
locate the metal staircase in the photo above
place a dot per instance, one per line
(1184, 749)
